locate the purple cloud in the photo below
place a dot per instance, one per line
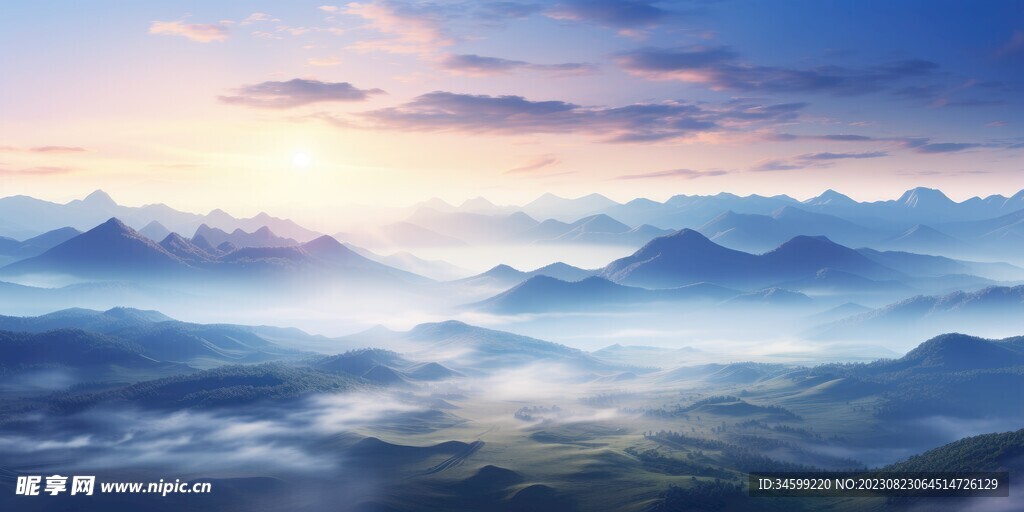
(535, 165)
(688, 174)
(477, 65)
(618, 14)
(721, 68)
(945, 147)
(841, 156)
(198, 32)
(295, 93)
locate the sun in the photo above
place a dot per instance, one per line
(301, 160)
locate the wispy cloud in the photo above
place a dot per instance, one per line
(323, 62)
(535, 164)
(296, 92)
(198, 32)
(688, 174)
(842, 156)
(626, 16)
(921, 145)
(409, 29)
(258, 17)
(1014, 46)
(34, 171)
(776, 164)
(813, 160)
(516, 115)
(501, 11)
(477, 65)
(946, 147)
(46, 149)
(721, 68)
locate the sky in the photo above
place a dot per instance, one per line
(303, 108)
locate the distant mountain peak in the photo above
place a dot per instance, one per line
(173, 238)
(99, 198)
(830, 197)
(502, 270)
(924, 197)
(688, 235)
(323, 242)
(602, 223)
(476, 203)
(521, 216)
(201, 242)
(808, 243)
(113, 224)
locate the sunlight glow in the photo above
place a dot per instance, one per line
(301, 160)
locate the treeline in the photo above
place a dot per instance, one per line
(654, 461)
(988, 452)
(223, 386)
(724, 405)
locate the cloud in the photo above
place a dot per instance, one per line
(815, 160)
(535, 164)
(720, 68)
(323, 62)
(198, 32)
(917, 144)
(516, 115)
(35, 171)
(840, 156)
(776, 165)
(1013, 46)
(258, 17)
(688, 174)
(843, 137)
(616, 14)
(476, 65)
(57, 149)
(46, 149)
(945, 147)
(295, 93)
(500, 11)
(411, 29)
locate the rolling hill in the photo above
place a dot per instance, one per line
(688, 257)
(110, 249)
(469, 349)
(543, 294)
(995, 307)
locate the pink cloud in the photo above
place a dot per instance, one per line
(198, 32)
(408, 31)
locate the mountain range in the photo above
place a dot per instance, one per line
(157, 337)
(13, 250)
(472, 349)
(504, 276)
(544, 294)
(922, 220)
(113, 250)
(25, 217)
(996, 308)
(688, 257)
